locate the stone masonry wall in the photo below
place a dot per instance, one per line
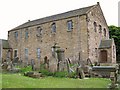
(94, 38)
(72, 42)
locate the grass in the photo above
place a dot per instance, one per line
(20, 81)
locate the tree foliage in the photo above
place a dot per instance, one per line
(114, 32)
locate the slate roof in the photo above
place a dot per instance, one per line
(105, 44)
(5, 44)
(68, 14)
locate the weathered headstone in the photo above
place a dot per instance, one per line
(33, 74)
(80, 73)
(33, 64)
(10, 66)
(61, 66)
(4, 65)
(46, 62)
(52, 64)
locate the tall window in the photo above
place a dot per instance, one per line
(38, 53)
(53, 27)
(95, 26)
(70, 25)
(95, 52)
(100, 29)
(15, 53)
(39, 31)
(16, 35)
(26, 55)
(104, 32)
(113, 51)
(26, 52)
(26, 34)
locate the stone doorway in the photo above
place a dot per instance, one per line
(103, 56)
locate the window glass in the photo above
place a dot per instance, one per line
(104, 32)
(95, 26)
(26, 34)
(70, 25)
(16, 35)
(53, 27)
(38, 52)
(100, 29)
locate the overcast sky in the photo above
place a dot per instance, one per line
(16, 12)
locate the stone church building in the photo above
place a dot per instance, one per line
(82, 32)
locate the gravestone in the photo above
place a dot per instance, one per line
(33, 64)
(52, 64)
(33, 74)
(80, 73)
(62, 65)
(4, 65)
(46, 62)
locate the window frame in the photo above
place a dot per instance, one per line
(69, 25)
(16, 35)
(26, 34)
(16, 53)
(38, 53)
(105, 32)
(26, 54)
(95, 26)
(100, 29)
(39, 31)
(53, 27)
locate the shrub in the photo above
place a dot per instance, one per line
(72, 75)
(46, 72)
(61, 74)
(26, 69)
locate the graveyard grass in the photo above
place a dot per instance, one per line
(20, 81)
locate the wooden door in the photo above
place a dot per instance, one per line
(103, 56)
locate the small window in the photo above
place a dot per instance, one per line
(38, 53)
(16, 35)
(53, 27)
(15, 53)
(39, 31)
(26, 52)
(26, 55)
(113, 51)
(95, 26)
(100, 29)
(104, 32)
(70, 25)
(96, 51)
(26, 34)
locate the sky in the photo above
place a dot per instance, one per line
(16, 12)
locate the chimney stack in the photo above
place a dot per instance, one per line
(98, 3)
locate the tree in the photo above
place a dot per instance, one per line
(114, 32)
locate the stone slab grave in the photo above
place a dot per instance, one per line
(111, 70)
(33, 74)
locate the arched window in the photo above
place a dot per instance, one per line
(39, 31)
(100, 29)
(53, 27)
(104, 32)
(95, 26)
